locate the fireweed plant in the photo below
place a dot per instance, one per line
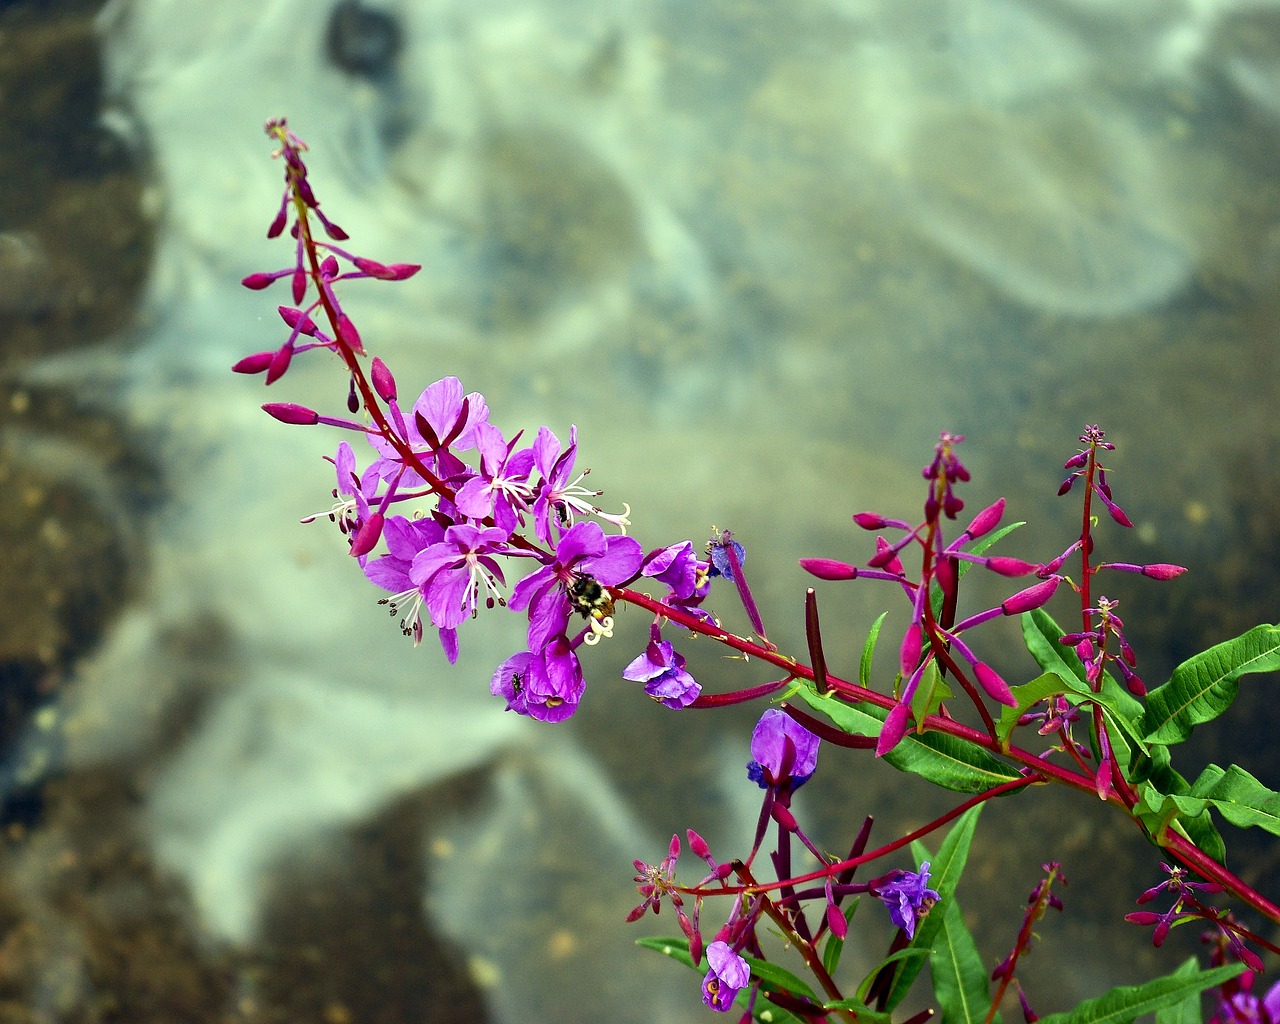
(446, 514)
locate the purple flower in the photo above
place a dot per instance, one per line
(405, 538)
(727, 975)
(554, 685)
(907, 896)
(583, 553)
(560, 492)
(442, 419)
(678, 567)
(784, 752)
(509, 681)
(501, 489)
(450, 573)
(662, 671)
(1243, 1007)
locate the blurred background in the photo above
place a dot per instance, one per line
(760, 253)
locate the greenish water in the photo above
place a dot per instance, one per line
(760, 253)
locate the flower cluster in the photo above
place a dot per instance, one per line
(446, 506)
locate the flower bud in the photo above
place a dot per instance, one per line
(258, 281)
(289, 412)
(870, 520)
(1163, 571)
(383, 383)
(1032, 597)
(986, 520)
(366, 538)
(255, 363)
(996, 688)
(1004, 566)
(828, 568)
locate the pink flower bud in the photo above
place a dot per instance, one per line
(348, 334)
(870, 520)
(836, 922)
(894, 728)
(996, 688)
(367, 537)
(258, 281)
(828, 569)
(383, 383)
(297, 320)
(1163, 570)
(279, 363)
(986, 520)
(783, 817)
(1003, 566)
(255, 363)
(909, 652)
(289, 412)
(386, 271)
(299, 285)
(1032, 597)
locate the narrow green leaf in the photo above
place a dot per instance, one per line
(1186, 1011)
(1047, 684)
(1204, 686)
(868, 651)
(941, 759)
(1126, 1004)
(959, 975)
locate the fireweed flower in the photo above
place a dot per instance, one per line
(554, 684)
(1243, 1007)
(509, 681)
(449, 574)
(907, 896)
(727, 975)
(656, 882)
(559, 493)
(404, 538)
(441, 422)
(784, 754)
(662, 671)
(583, 554)
(501, 489)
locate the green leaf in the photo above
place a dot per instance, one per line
(868, 650)
(941, 759)
(1204, 686)
(865, 1014)
(1126, 1004)
(930, 693)
(944, 875)
(1239, 797)
(959, 975)
(1047, 684)
(1158, 811)
(1187, 1011)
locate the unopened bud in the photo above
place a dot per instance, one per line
(986, 520)
(289, 412)
(366, 538)
(1032, 597)
(383, 383)
(828, 568)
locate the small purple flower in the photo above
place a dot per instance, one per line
(405, 538)
(450, 573)
(784, 752)
(1243, 1007)
(662, 671)
(907, 896)
(441, 419)
(501, 489)
(727, 975)
(554, 685)
(583, 551)
(509, 681)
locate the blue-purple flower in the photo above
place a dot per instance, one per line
(784, 752)
(662, 671)
(907, 896)
(727, 975)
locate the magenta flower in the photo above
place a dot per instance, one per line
(727, 975)
(501, 489)
(554, 685)
(509, 681)
(405, 538)
(442, 421)
(662, 671)
(451, 573)
(584, 552)
(783, 752)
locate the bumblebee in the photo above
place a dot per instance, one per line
(589, 598)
